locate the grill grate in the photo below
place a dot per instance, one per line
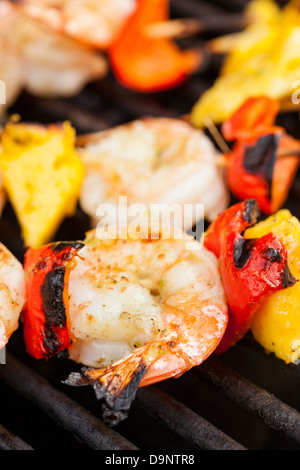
(244, 399)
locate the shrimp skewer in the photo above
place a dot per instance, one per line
(151, 161)
(141, 308)
(12, 294)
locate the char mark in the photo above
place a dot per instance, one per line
(52, 296)
(273, 255)
(288, 278)
(115, 407)
(251, 211)
(242, 251)
(60, 246)
(53, 306)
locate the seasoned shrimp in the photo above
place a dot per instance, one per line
(96, 22)
(54, 65)
(12, 294)
(151, 161)
(143, 308)
(40, 60)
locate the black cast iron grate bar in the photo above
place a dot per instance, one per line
(276, 414)
(62, 409)
(232, 5)
(183, 421)
(292, 368)
(9, 441)
(196, 8)
(134, 104)
(62, 109)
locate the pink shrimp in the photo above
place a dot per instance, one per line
(141, 310)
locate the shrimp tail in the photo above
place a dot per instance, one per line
(115, 385)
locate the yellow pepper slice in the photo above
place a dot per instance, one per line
(263, 61)
(42, 176)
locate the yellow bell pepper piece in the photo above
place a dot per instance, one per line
(276, 324)
(264, 61)
(42, 176)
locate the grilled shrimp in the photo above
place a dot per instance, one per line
(142, 309)
(10, 64)
(96, 22)
(54, 65)
(12, 294)
(151, 161)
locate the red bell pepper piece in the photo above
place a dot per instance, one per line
(234, 219)
(45, 320)
(149, 64)
(250, 269)
(284, 172)
(254, 168)
(254, 114)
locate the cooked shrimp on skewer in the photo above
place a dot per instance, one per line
(12, 294)
(151, 161)
(42, 61)
(151, 300)
(96, 22)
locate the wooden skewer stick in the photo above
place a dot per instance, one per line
(222, 44)
(186, 27)
(221, 161)
(212, 128)
(173, 29)
(288, 153)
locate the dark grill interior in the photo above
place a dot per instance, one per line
(244, 399)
